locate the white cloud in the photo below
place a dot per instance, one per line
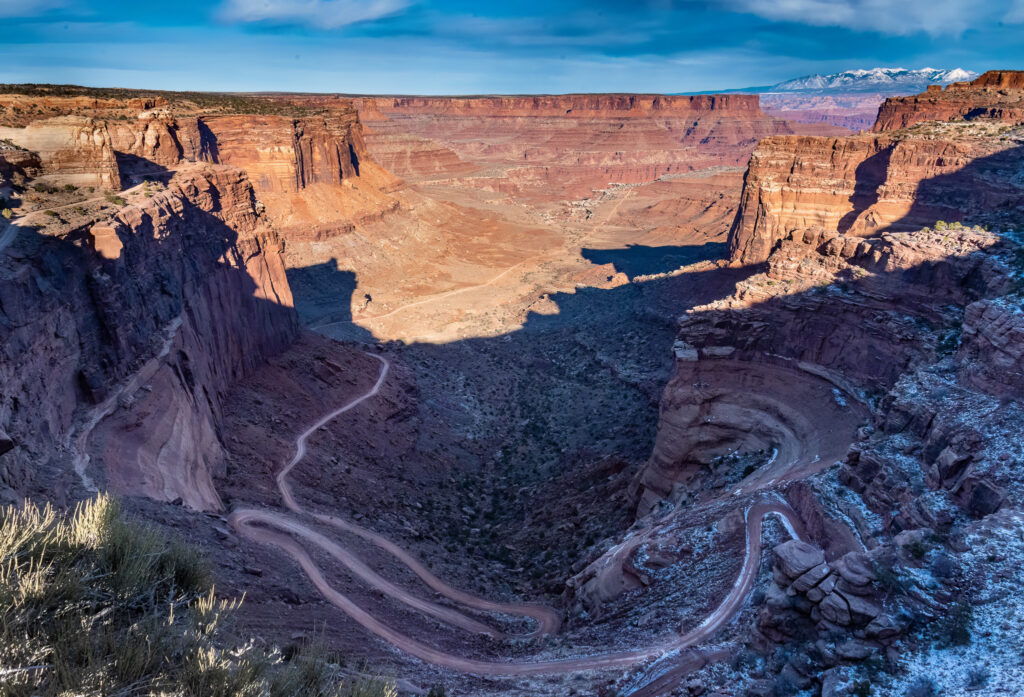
(27, 8)
(1016, 13)
(935, 17)
(324, 14)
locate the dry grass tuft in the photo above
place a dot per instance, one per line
(91, 604)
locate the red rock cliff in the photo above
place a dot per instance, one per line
(891, 180)
(563, 146)
(120, 336)
(998, 94)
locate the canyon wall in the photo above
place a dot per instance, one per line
(892, 179)
(855, 111)
(855, 289)
(73, 150)
(564, 145)
(996, 95)
(122, 331)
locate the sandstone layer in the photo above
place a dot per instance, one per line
(565, 145)
(73, 150)
(996, 95)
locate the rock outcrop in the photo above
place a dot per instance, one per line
(72, 149)
(996, 95)
(991, 354)
(121, 335)
(865, 185)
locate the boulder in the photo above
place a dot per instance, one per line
(811, 578)
(979, 497)
(855, 568)
(883, 627)
(854, 650)
(795, 557)
(834, 609)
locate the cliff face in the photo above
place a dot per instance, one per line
(283, 154)
(567, 105)
(73, 150)
(863, 185)
(998, 95)
(563, 146)
(121, 333)
(869, 371)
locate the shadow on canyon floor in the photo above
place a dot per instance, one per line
(637, 260)
(134, 170)
(517, 422)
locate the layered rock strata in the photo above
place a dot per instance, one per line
(997, 95)
(564, 145)
(72, 149)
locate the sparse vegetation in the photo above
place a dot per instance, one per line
(922, 687)
(955, 629)
(93, 604)
(977, 678)
(7, 213)
(115, 199)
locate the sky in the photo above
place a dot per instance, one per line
(466, 47)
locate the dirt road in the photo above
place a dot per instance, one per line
(257, 526)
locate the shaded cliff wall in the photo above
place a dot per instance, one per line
(121, 336)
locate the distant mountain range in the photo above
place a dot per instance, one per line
(873, 80)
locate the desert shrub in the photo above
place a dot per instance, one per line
(70, 187)
(917, 549)
(862, 688)
(44, 188)
(922, 687)
(941, 225)
(977, 678)
(115, 199)
(93, 604)
(955, 629)
(7, 213)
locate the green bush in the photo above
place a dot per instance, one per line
(955, 629)
(115, 199)
(92, 604)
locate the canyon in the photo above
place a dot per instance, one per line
(509, 394)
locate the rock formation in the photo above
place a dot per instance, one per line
(564, 145)
(893, 180)
(996, 95)
(73, 150)
(123, 330)
(886, 340)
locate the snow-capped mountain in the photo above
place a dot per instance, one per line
(874, 80)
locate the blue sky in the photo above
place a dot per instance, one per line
(464, 47)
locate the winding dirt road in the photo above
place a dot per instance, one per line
(255, 524)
